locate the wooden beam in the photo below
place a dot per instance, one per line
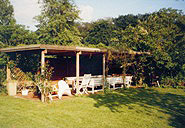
(52, 47)
(104, 57)
(21, 48)
(77, 72)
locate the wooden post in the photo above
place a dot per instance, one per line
(42, 71)
(8, 73)
(43, 60)
(77, 72)
(104, 56)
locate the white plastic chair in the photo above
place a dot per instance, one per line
(84, 84)
(92, 85)
(55, 91)
(112, 82)
(95, 82)
(63, 88)
(127, 81)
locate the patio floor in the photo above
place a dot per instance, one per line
(32, 96)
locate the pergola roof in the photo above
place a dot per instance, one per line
(67, 50)
(54, 49)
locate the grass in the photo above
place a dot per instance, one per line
(131, 108)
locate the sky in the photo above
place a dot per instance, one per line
(91, 10)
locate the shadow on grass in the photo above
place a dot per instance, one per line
(168, 103)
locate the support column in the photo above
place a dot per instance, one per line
(77, 72)
(43, 98)
(8, 73)
(11, 84)
(43, 60)
(104, 56)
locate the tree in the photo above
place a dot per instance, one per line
(123, 21)
(57, 23)
(21, 36)
(6, 21)
(13, 35)
(6, 13)
(161, 34)
(84, 29)
(100, 32)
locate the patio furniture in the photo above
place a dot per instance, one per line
(127, 81)
(84, 84)
(63, 88)
(95, 82)
(119, 80)
(53, 93)
(113, 81)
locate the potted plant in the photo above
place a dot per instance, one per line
(25, 90)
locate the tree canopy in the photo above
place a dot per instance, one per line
(6, 13)
(100, 32)
(123, 21)
(57, 23)
(163, 35)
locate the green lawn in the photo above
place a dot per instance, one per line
(131, 108)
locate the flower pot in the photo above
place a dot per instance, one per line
(25, 92)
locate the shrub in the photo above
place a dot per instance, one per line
(3, 89)
(171, 82)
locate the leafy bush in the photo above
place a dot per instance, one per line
(172, 82)
(3, 62)
(2, 75)
(169, 81)
(3, 89)
(41, 80)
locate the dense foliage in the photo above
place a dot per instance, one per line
(56, 23)
(161, 33)
(100, 32)
(6, 13)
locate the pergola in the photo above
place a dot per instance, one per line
(60, 50)
(75, 51)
